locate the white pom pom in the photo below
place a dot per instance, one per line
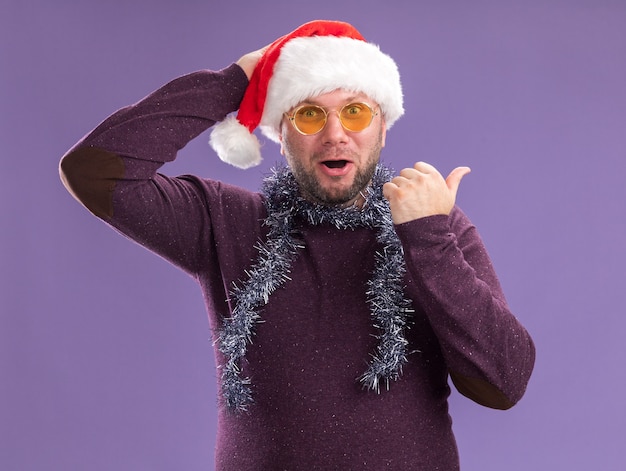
(234, 144)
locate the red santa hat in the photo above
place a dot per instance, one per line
(316, 58)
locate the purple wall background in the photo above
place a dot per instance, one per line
(105, 361)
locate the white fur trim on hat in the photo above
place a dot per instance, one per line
(235, 144)
(311, 66)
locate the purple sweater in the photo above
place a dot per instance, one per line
(310, 411)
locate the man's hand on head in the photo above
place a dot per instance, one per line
(249, 61)
(422, 191)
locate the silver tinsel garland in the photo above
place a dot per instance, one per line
(388, 304)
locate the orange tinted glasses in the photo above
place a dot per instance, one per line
(311, 119)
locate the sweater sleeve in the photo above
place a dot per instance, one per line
(489, 354)
(113, 170)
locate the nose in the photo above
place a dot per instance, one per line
(334, 132)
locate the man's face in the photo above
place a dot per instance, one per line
(335, 164)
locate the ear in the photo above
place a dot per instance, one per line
(280, 139)
(383, 133)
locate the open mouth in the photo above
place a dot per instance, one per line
(335, 163)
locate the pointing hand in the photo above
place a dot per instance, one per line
(422, 191)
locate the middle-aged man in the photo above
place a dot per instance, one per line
(341, 297)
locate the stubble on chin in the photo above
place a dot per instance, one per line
(310, 186)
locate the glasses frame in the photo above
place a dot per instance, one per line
(292, 118)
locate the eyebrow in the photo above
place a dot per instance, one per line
(312, 101)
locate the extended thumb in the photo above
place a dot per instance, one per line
(454, 178)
